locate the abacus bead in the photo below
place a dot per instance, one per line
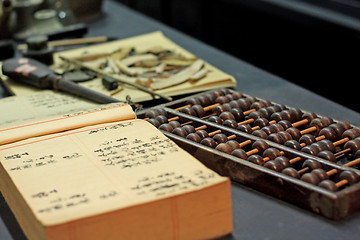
(192, 101)
(329, 185)
(310, 178)
(307, 139)
(223, 147)
(349, 175)
(162, 119)
(238, 114)
(357, 154)
(260, 145)
(225, 90)
(161, 111)
(199, 110)
(257, 159)
(244, 104)
(237, 95)
(202, 133)
(189, 111)
(274, 137)
(251, 99)
(318, 146)
(166, 127)
(233, 144)
(211, 97)
(329, 133)
(271, 153)
(328, 120)
(257, 105)
(274, 128)
(244, 128)
(240, 153)
(180, 132)
(151, 113)
(234, 104)
(326, 154)
(259, 133)
(217, 93)
(309, 116)
(229, 96)
(266, 112)
(311, 164)
(328, 145)
(293, 144)
(354, 145)
(284, 161)
(273, 165)
(209, 142)
(222, 100)
(220, 138)
(268, 130)
(204, 101)
(277, 116)
(193, 137)
(298, 113)
(174, 124)
(285, 136)
(313, 150)
(320, 173)
(218, 110)
(285, 124)
(261, 122)
(290, 115)
(345, 124)
(294, 132)
(230, 123)
(338, 128)
(189, 128)
(154, 122)
(318, 123)
(215, 119)
(292, 172)
(280, 107)
(256, 115)
(226, 115)
(227, 107)
(350, 133)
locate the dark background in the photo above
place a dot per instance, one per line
(314, 44)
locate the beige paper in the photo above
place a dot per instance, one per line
(102, 168)
(43, 126)
(214, 79)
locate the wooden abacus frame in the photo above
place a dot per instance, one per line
(333, 205)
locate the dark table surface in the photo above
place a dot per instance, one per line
(256, 215)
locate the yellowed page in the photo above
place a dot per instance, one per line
(44, 103)
(43, 126)
(98, 169)
(215, 78)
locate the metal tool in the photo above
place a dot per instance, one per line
(35, 73)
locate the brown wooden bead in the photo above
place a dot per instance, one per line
(202, 133)
(277, 116)
(273, 165)
(274, 128)
(226, 115)
(284, 161)
(209, 142)
(311, 164)
(220, 138)
(174, 124)
(261, 122)
(256, 115)
(345, 124)
(265, 112)
(310, 178)
(285, 136)
(257, 159)
(293, 144)
(217, 93)
(230, 123)
(275, 137)
(210, 97)
(251, 99)
(309, 116)
(260, 145)
(161, 111)
(188, 111)
(244, 104)
(225, 90)
(294, 132)
(267, 130)
(223, 147)
(329, 133)
(326, 154)
(192, 101)
(313, 150)
(204, 101)
(222, 100)
(354, 145)
(215, 119)
(240, 153)
(237, 95)
(180, 132)
(151, 113)
(234, 104)
(189, 128)
(166, 127)
(244, 128)
(307, 139)
(194, 137)
(285, 124)
(218, 109)
(229, 96)
(259, 133)
(238, 114)
(227, 107)
(349, 175)
(319, 147)
(292, 172)
(350, 133)
(162, 119)
(199, 110)
(154, 122)
(320, 173)
(271, 153)
(328, 145)
(257, 105)
(329, 185)
(233, 144)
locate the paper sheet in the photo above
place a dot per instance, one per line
(97, 169)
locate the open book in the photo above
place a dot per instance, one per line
(103, 174)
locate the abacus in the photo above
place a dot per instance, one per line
(295, 155)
